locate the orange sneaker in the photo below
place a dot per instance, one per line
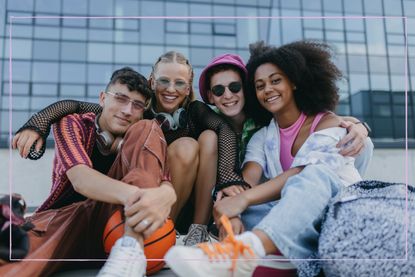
(231, 257)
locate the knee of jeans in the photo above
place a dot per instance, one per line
(184, 151)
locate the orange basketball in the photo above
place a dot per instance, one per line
(155, 246)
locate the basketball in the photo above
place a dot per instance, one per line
(155, 246)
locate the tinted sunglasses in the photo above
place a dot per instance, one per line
(125, 100)
(219, 90)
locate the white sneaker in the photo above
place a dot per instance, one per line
(230, 257)
(126, 259)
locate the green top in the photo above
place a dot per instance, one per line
(248, 130)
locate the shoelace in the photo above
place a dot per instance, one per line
(196, 235)
(120, 262)
(229, 247)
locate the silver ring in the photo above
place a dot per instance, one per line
(145, 222)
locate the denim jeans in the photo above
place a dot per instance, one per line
(293, 224)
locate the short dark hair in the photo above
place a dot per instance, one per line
(225, 67)
(308, 65)
(132, 79)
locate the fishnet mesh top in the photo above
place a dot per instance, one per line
(199, 118)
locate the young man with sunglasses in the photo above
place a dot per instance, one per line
(102, 163)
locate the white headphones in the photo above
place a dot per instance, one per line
(171, 121)
(106, 142)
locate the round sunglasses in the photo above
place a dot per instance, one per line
(219, 90)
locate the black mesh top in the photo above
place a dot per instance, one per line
(199, 118)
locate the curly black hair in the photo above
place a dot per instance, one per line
(308, 65)
(132, 79)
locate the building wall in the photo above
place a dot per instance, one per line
(32, 178)
(56, 56)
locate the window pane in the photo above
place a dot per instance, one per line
(99, 73)
(101, 23)
(152, 31)
(73, 51)
(45, 72)
(358, 82)
(46, 32)
(293, 4)
(357, 63)
(17, 88)
(200, 56)
(149, 54)
(313, 22)
(373, 7)
(126, 8)
(126, 36)
(354, 24)
(179, 39)
(394, 25)
(39, 103)
(353, 6)
(21, 71)
(100, 35)
(200, 10)
(375, 36)
(101, 7)
(48, 6)
(333, 5)
(392, 7)
(21, 49)
(73, 73)
(378, 64)
(355, 37)
(44, 89)
(126, 53)
(77, 7)
(46, 50)
(74, 34)
(127, 24)
(379, 82)
(100, 52)
(46, 21)
(201, 28)
(176, 9)
(23, 5)
(71, 91)
(291, 28)
(398, 82)
(224, 29)
(177, 26)
(76, 22)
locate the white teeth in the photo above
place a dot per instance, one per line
(272, 98)
(230, 104)
(168, 97)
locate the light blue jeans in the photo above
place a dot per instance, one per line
(293, 224)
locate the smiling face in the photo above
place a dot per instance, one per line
(274, 90)
(117, 116)
(230, 103)
(170, 81)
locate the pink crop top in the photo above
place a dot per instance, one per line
(288, 136)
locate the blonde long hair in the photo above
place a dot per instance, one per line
(174, 57)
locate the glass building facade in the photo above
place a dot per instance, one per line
(67, 49)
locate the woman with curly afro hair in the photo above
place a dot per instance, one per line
(296, 94)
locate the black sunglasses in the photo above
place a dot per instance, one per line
(219, 90)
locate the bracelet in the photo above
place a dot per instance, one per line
(367, 127)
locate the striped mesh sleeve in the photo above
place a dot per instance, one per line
(42, 121)
(70, 140)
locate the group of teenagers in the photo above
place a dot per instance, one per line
(262, 156)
